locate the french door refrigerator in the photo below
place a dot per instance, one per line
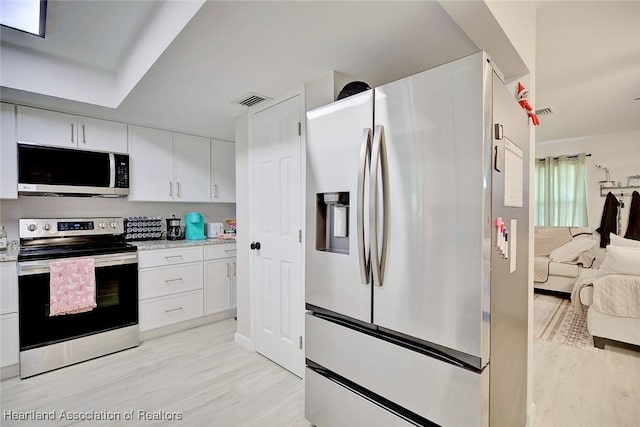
(416, 253)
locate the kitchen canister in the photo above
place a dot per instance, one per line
(3, 239)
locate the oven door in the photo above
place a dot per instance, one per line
(116, 298)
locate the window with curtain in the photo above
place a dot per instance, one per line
(561, 194)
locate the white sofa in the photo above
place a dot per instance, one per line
(560, 257)
(609, 329)
(611, 295)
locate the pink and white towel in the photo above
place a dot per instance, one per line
(72, 286)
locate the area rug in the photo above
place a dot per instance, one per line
(555, 320)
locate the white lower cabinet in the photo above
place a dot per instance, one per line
(169, 289)
(175, 285)
(219, 278)
(167, 310)
(9, 339)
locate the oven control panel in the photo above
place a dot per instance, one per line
(66, 227)
(72, 226)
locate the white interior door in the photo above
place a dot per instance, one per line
(276, 215)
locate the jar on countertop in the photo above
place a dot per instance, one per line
(3, 239)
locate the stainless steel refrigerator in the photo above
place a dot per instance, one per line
(416, 253)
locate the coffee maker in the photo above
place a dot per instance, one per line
(174, 231)
(194, 226)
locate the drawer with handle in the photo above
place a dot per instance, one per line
(164, 311)
(162, 257)
(161, 281)
(227, 250)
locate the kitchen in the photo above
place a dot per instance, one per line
(147, 107)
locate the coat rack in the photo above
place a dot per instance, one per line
(619, 191)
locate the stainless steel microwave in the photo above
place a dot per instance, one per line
(44, 171)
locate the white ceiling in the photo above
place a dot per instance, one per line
(92, 33)
(587, 57)
(587, 68)
(231, 48)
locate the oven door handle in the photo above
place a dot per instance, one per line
(27, 268)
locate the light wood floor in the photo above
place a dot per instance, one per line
(200, 373)
(585, 388)
(211, 381)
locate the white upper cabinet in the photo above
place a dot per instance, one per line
(168, 166)
(223, 173)
(8, 153)
(150, 164)
(44, 127)
(102, 135)
(192, 167)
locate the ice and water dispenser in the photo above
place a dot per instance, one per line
(332, 222)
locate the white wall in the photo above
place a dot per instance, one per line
(242, 235)
(77, 207)
(620, 152)
(319, 92)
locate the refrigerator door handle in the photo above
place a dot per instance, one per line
(379, 167)
(365, 160)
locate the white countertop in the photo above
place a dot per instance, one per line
(11, 254)
(147, 245)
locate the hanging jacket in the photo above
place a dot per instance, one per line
(609, 219)
(633, 228)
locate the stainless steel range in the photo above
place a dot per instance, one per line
(48, 341)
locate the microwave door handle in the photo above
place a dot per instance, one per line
(365, 160)
(112, 170)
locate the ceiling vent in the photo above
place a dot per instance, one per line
(544, 111)
(251, 99)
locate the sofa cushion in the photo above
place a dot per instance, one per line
(571, 250)
(621, 260)
(622, 242)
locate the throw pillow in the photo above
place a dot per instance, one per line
(571, 250)
(621, 260)
(622, 242)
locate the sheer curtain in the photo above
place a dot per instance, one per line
(561, 195)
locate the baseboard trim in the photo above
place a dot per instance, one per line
(531, 415)
(187, 324)
(243, 341)
(9, 371)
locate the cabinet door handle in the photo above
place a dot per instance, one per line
(170, 189)
(72, 133)
(178, 184)
(84, 135)
(168, 257)
(215, 191)
(227, 269)
(168, 281)
(174, 309)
